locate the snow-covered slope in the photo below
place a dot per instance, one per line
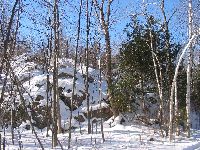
(33, 78)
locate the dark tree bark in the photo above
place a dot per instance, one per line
(105, 24)
(6, 53)
(74, 78)
(87, 65)
(55, 77)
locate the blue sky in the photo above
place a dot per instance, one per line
(121, 11)
(135, 6)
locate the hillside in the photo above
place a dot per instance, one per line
(123, 132)
(33, 79)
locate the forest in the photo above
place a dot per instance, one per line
(99, 74)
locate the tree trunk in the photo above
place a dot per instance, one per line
(87, 65)
(19, 89)
(173, 86)
(100, 100)
(158, 80)
(158, 76)
(74, 78)
(105, 27)
(11, 123)
(189, 66)
(167, 47)
(6, 54)
(176, 109)
(58, 99)
(47, 58)
(141, 82)
(109, 71)
(67, 49)
(55, 76)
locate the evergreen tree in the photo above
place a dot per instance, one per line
(136, 75)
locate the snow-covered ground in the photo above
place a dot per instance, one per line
(136, 137)
(129, 136)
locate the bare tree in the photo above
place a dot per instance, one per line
(100, 99)
(55, 76)
(48, 54)
(74, 77)
(158, 80)
(24, 105)
(176, 113)
(189, 66)
(157, 68)
(19, 89)
(87, 65)
(6, 53)
(48, 86)
(193, 38)
(105, 24)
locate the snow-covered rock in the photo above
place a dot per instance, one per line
(33, 78)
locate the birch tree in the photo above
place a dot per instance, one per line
(189, 66)
(156, 62)
(104, 18)
(193, 38)
(100, 98)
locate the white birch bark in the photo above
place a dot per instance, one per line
(157, 75)
(173, 86)
(100, 99)
(189, 66)
(176, 109)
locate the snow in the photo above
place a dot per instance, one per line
(34, 81)
(118, 137)
(130, 135)
(95, 107)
